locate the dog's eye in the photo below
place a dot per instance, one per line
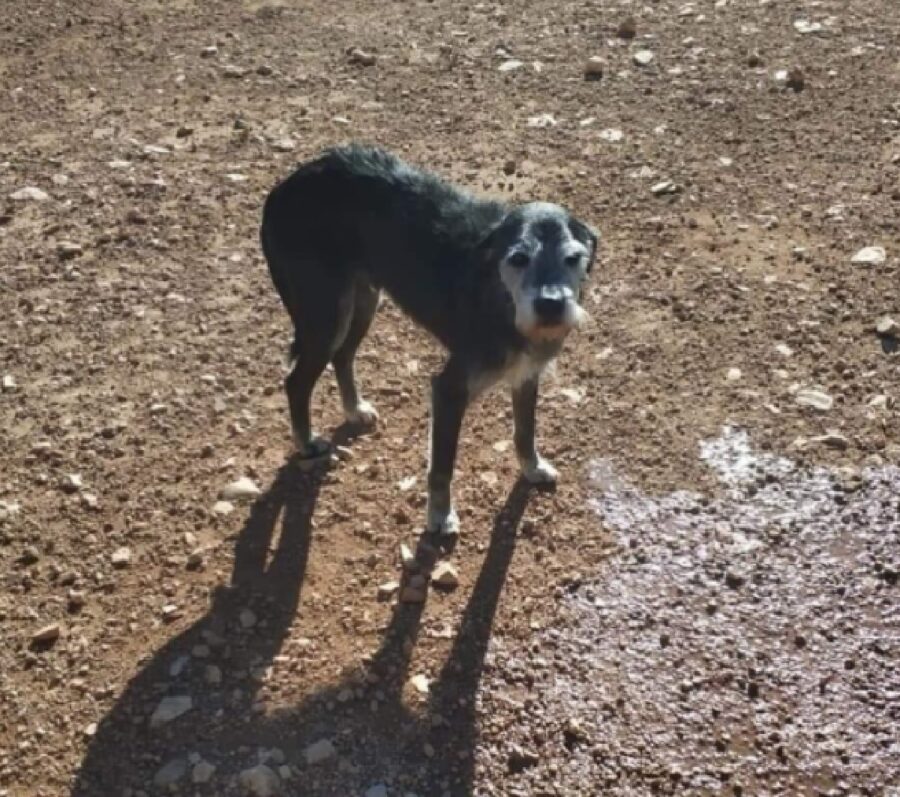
(572, 260)
(518, 260)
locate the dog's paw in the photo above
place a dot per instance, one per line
(539, 471)
(314, 449)
(442, 522)
(363, 415)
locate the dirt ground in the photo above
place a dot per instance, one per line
(706, 605)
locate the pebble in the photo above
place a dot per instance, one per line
(627, 28)
(817, 399)
(361, 57)
(510, 66)
(170, 708)
(244, 487)
(121, 557)
(378, 790)
(643, 57)
(260, 781)
(664, 187)
(832, 439)
(47, 634)
(223, 508)
(795, 79)
(594, 68)
(445, 575)
(68, 250)
(284, 145)
(232, 71)
(611, 134)
(804, 26)
(319, 751)
(421, 683)
(407, 557)
(213, 675)
(202, 772)
(870, 256)
(30, 193)
(9, 384)
(733, 374)
(887, 326)
(386, 591)
(169, 774)
(247, 618)
(72, 482)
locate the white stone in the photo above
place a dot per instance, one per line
(9, 383)
(643, 57)
(170, 708)
(30, 193)
(869, 256)
(202, 772)
(240, 488)
(612, 134)
(886, 326)
(121, 557)
(445, 575)
(223, 508)
(421, 683)
(510, 66)
(378, 790)
(319, 751)
(817, 399)
(260, 781)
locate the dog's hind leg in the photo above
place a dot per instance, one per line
(322, 324)
(365, 302)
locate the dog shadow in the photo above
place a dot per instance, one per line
(421, 745)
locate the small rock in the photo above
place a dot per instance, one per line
(264, 70)
(664, 187)
(510, 66)
(734, 579)
(169, 774)
(869, 256)
(202, 772)
(209, 52)
(520, 759)
(832, 439)
(611, 134)
(76, 599)
(887, 326)
(72, 482)
(213, 675)
(319, 751)
(284, 145)
(241, 488)
(30, 193)
(594, 68)
(642, 57)
(232, 71)
(260, 781)
(90, 730)
(247, 618)
(177, 666)
(421, 683)
(46, 635)
(627, 28)
(361, 57)
(733, 374)
(121, 557)
(170, 708)
(795, 79)
(223, 508)
(783, 349)
(386, 591)
(378, 790)
(804, 26)
(817, 399)
(67, 250)
(9, 384)
(445, 575)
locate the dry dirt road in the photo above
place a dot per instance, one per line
(707, 605)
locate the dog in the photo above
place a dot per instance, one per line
(497, 285)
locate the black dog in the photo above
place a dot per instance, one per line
(498, 286)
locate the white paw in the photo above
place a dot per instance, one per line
(363, 414)
(539, 471)
(314, 449)
(442, 521)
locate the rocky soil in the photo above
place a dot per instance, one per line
(693, 611)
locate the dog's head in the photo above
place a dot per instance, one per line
(543, 255)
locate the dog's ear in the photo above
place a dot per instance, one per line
(492, 247)
(586, 235)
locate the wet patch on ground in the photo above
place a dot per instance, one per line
(741, 643)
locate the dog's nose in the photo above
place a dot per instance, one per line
(549, 308)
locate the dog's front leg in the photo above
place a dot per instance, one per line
(535, 468)
(449, 397)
